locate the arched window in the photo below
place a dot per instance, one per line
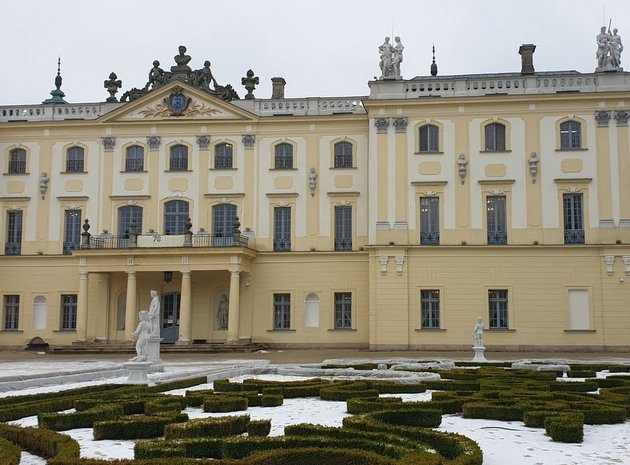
(40, 311)
(179, 158)
(75, 159)
(283, 156)
(175, 216)
(429, 138)
(17, 161)
(311, 310)
(134, 160)
(495, 137)
(223, 156)
(570, 135)
(223, 218)
(128, 215)
(343, 155)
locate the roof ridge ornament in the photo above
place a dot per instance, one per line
(434, 68)
(57, 93)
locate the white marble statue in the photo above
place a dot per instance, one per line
(386, 51)
(609, 48)
(397, 57)
(142, 332)
(222, 313)
(154, 314)
(616, 47)
(478, 333)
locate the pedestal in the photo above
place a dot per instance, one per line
(153, 352)
(479, 357)
(137, 372)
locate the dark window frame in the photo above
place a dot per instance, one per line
(282, 229)
(223, 156)
(178, 158)
(429, 138)
(223, 217)
(176, 217)
(11, 312)
(281, 311)
(69, 312)
(570, 135)
(498, 309)
(495, 139)
(343, 228)
(17, 161)
(134, 158)
(14, 228)
(430, 308)
(343, 155)
(128, 214)
(283, 156)
(430, 220)
(573, 215)
(75, 159)
(72, 230)
(343, 310)
(496, 219)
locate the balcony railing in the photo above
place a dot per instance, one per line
(17, 166)
(68, 247)
(343, 244)
(497, 237)
(574, 236)
(157, 241)
(430, 238)
(13, 248)
(282, 245)
(74, 166)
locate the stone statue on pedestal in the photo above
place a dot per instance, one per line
(142, 332)
(478, 333)
(391, 57)
(609, 48)
(222, 313)
(154, 314)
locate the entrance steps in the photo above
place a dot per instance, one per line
(114, 348)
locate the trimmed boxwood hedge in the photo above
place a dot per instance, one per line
(581, 374)
(343, 394)
(208, 427)
(565, 427)
(10, 454)
(224, 404)
(271, 400)
(39, 441)
(319, 456)
(259, 428)
(426, 418)
(84, 419)
(136, 427)
(566, 386)
(178, 384)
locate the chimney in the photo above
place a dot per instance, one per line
(277, 89)
(527, 58)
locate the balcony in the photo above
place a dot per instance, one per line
(13, 248)
(430, 238)
(343, 244)
(281, 245)
(574, 236)
(497, 237)
(149, 241)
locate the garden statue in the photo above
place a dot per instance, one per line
(154, 314)
(142, 332)
(222, 313)
(478, 333)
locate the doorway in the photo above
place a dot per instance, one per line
(170, 317)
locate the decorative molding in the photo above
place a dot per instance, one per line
(282, 194)
(533, 165)
(192, 110)
(72, 197)
(282, 203)
(153, 142)
(495, 181)
(72, 206)
(497, 192)
(400, 124)
(609, 260)
(15, 199)
(224, 195)
(382, 125)
(462, 162)
(185, 260)
(131, 261)
(343, 194)
(429, 183)
(249, 140)
(108, 143)
(312, 181)
(573, 189)
(382, 226)
(621, 117)
(203, 142)
(383, 259)
(602, 118)
(123, 197)
(400, 261)
(572, 180)
(626, 264)
(429, 193)
(344, 203)
(82, 262)
(401, 225)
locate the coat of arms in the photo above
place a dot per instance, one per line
(177, 102)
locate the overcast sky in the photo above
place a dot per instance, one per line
(321, 47)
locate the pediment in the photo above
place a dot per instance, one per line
(158, 105)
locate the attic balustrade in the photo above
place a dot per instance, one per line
(148, 241)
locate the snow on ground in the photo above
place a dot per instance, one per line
(30, 459)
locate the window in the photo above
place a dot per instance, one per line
(343, 227)
(175, 217)
(429, 138)
(129, 220)
(311, 311)
(68, 312)
(11, 313)
(430, 309)
(343, 310)
(495, 137)
(579, 309)
(282, 229)
(40, 312)
(72, 234)
(573, 222)
(429, 220)
(282, 311)
(495, 214)
(498, 306)
(17, 161)
(283, 157)
(13, 245)
(223, 156)
(75, 160)
(223, 216)
(570, 136)
(343, 155)
(134, 160)
(179, 158)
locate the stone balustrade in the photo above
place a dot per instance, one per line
(85, 111)
(305, 106)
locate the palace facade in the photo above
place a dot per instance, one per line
(386, 221)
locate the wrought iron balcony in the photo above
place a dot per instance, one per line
(343, 244)
(497, 237)
(68, 247)
(281, 245)
(13, 248)
(131, 241)
(430, 238)
(574, 236)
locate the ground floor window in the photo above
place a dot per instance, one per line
(11, 312)
(498, 306)
(68, 312)
(282, 311)
(430, 308)
(343, 310)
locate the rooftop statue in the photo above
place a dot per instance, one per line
(182, 61)
(609, 48)
(391, 57)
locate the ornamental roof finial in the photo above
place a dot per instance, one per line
(434, 68)
(57, 93)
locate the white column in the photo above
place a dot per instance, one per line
(234, 307)
(82, 305)
(131, 306)
(185, 311)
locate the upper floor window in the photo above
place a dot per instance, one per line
(72, 231)
(178, 160)
(570, 135)
(573, 219)
(223, 156)
(75, 159)
(17, 161)
(282, 229)
(429, 138)
(129, 216)
(13, 244)
(223, 219)
(429, 220)
(343, 155)
(175, 216)
(495, 215)
(495, 137)
(343, 227)
(134, 159)
(283, 156)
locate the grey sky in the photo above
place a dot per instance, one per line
(322, 48)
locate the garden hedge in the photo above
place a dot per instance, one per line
(259, 428)
(10, 454)
(224, 404)
(136, 427)
(40, 441)
(84, 419)
(271, 400)
(208, 427)
(565, 427)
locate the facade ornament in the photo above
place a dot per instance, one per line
(497, 192)
(383, 259)
(222, 313)
(602, 118)
(609, 260)
(112, 85)
(177, 102)
(203, 142)
(43, 184)
(609, 48)
(478, 333)
(429, 193)
(382, 125)
(400, 124)
(85, 235)
(153, 142)
(250, 82)
(188, 233)
(400, 261)
(154, 314)
(626, 264)
(533, 165)
(622, 117)
(462, 163)
(312, 181)
(249, 140)
(434, 67)
(573, 189)
(390, 58)
(109, 143)
(57, 93)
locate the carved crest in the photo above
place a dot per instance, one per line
(177, 102)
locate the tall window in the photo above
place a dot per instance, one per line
(430, 308)
(429, 138)
(495, 214)
(75, 157)
(282, 229)
(282, 311)
(11, 313)
(343, 310)
(429, 220)
(72, 232)
(223, 218)
(570, 136)
(175, 216)
(498, 307)
(128, 215)
(223, 156)
(343, 155)
(283, 156)
(17, 161)
(573, 219)
(68, 312)
(495, 137)
(134, 158)
(13, 245)
(178, 160)
(343, 227)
